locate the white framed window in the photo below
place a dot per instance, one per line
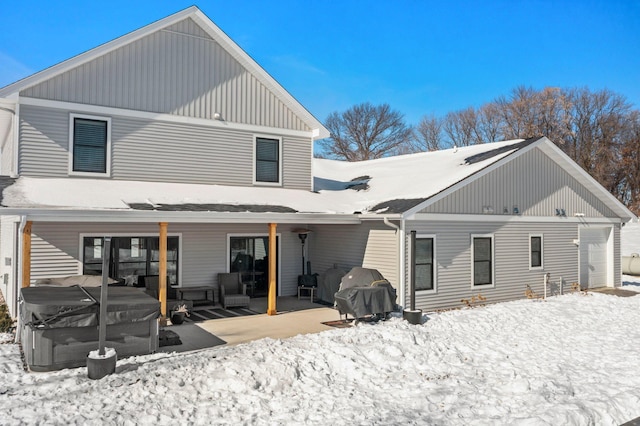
(536, 251)
(267, 164)
(424, 267)
(89, 145)
(482, 261)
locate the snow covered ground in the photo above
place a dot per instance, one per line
(570, 360)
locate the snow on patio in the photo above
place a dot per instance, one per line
(567, 360)
(570, 360)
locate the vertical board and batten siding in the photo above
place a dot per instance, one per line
(370, 245)
(511, 260)
(177, 70)
(511, 185)
(56, 249)
(158, 151)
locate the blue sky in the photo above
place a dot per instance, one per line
(421, 57)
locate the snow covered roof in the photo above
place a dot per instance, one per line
(343, 191)
(397, 184)
(389, 185)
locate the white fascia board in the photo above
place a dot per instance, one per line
(89, 55)
(365, 217)
(145, 115)
(141, 216)
(479, 218)
(571, 167)
(253, 67)
(212, 29)
(560, 158)
(471, 178)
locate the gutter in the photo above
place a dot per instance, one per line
(143, 216)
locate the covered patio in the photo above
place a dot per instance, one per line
(295, 316)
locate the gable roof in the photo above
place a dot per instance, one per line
(400, 183)
(407, 184)
(394, 186)
(210, 28)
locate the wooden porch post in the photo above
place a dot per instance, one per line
(26, 254)
(271, 309)
(162, 279)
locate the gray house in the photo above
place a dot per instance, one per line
(175, 143)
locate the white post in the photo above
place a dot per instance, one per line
(546, 282)
(560, 285)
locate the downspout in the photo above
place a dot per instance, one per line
(401, 272)
(18, 275)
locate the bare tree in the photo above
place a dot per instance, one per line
(461, 127)
(429, 134)
(629, 188)
(365, 132)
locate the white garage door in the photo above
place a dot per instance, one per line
(594, 257)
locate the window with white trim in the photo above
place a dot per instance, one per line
(267, 160)
(535, 251)
(424, 263)
(90, 143)
(482, 259)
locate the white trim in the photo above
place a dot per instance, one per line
(610, 274)
(587, 180)
(318, 130)
(556, 155)
(434, 265)
(72, 117)
(152, 116)
(507, 218)
(253, 235)
(218, 36)
(493, 262)
(16, 140)
(541, 267)
(141, 216)
(82, 236)
(255, 160)
(473, 177)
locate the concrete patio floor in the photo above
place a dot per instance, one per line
(294, 317)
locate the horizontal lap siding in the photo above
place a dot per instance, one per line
(180, 71)
(159, 151)
(44, 142)
(511, 261)
(56, 249)
(370, 245)
(532, 182)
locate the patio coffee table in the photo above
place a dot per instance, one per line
(190, 293)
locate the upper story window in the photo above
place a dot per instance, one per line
(268, 167)
(535, 251)
(424, 262)
(482, 256)
(90, 145)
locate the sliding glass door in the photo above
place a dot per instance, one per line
(131, 257)
(250, 256)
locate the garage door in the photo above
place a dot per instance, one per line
(594, 257)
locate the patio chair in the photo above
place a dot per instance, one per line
(232, 291)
